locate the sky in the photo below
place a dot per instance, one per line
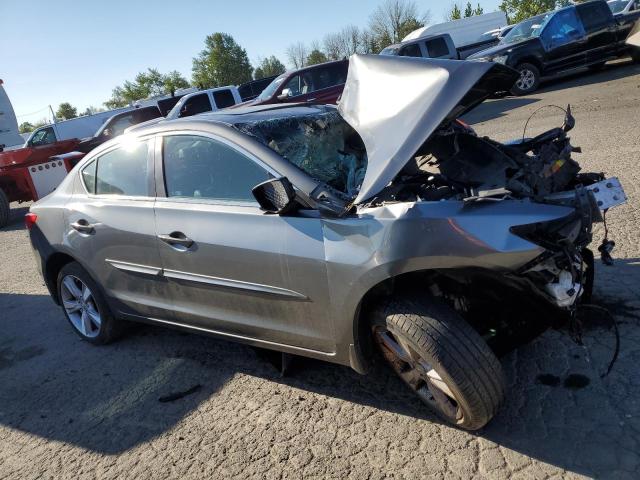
(78, 51)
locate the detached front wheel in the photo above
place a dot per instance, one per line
(529, 79)
(441, 358)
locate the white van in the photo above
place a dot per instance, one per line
(464, 31)
(9, 135)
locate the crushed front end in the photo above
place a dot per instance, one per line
(457, 165)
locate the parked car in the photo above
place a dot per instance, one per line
(622, 7)
(332, 232)
(205, 101)
(322, 83)
(116, 125)
(438, 46)
(584, 35)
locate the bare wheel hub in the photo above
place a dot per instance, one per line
(416, 372)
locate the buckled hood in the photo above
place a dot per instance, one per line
(396, 103)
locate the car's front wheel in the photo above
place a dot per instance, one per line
(635, 54)
(4, 209)
(529, 79)
(84, 306)
(441, 358)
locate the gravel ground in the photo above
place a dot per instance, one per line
(70, 410)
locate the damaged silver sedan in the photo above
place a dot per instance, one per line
(384, 228)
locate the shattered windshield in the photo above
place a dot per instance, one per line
(320, 143)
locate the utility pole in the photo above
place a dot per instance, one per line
(53, 115)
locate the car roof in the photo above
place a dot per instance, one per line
(248, 114)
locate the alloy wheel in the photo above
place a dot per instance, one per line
(527, 80)
(78, 302)
(418, 374)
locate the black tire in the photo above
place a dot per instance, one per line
(109, 328)
(635, 54)
(447, 344)
(529, 79)
(596, 67)
(4, 209)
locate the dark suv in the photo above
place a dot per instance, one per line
(322, 83)
(584, 35)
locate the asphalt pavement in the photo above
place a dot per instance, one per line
(72, 410)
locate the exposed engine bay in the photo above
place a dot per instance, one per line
(457, 164)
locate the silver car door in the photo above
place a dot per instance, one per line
(225, 259)
(111, 229)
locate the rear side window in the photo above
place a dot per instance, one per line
(89, 176)
(412, 50)
(437, 48)
(196, 104)
(199, 167)
(594, 15)
(123, 171)
(43, 137)
(223, 98)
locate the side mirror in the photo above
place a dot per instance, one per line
(285, 94)
(275, 195)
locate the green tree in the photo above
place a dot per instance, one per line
(455, 13)
(518, 10)
(149, 83)
(173, 81)
(479, 10)
(469, 11)
(66, 111)
(269, 67)
(26, 127)
(315, 57)
(222, 62)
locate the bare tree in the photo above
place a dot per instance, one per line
(394, 19)
(297, 54)
(332, 46)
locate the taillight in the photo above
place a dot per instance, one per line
(30, 220)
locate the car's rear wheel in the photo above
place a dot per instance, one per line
(85, 307)
(635, 54)
(441, 358)
(4, 209)
(529, 79)
(596, 67)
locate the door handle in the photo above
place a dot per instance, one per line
(83, 226)
(176, 238)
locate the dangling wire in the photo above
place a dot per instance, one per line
(524, 132)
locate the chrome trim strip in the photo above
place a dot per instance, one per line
(237, 284)
(234, 336)
(134, 267)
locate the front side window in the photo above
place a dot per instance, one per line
(195, 105)
(199, 167)
(296, 86)
(44, 136)
(563, 28)
(412, 50)
(123, 171)
(223, 98)
(328, 76)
